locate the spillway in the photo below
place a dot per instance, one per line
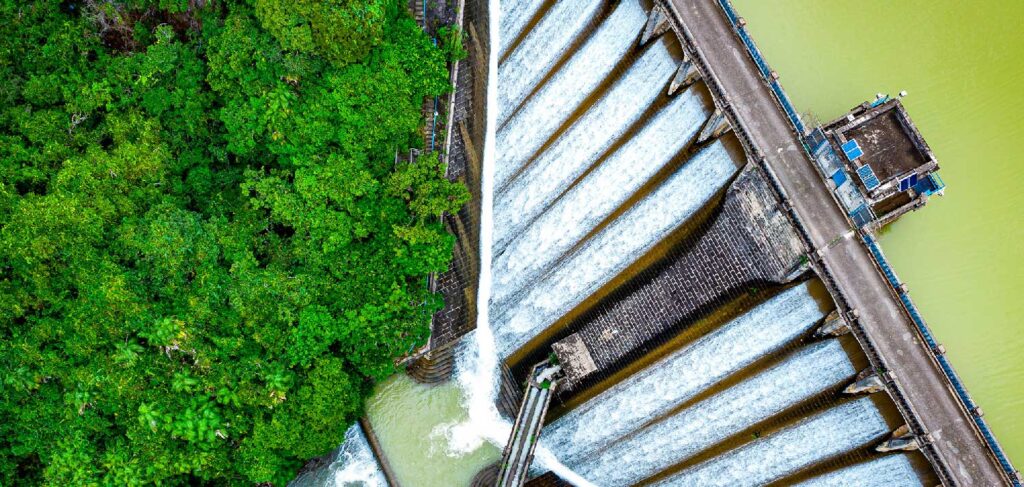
(514, 18)
(845, 427)
(682, 375)
(888, 471)
(612, 249)
(539, 51)
(563, 92)
(582, 143)
(352, 464)
(809, 371)
(603, 190)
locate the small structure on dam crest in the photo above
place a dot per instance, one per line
(878, 161)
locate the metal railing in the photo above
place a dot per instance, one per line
(762, 66)
(944, 364)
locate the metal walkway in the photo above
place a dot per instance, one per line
(518, 454)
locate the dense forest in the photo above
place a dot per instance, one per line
(208, 253)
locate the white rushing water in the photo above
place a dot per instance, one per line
(582, 143)
(613, 248)
(561, 94)
(840, 429)
(477, 370)
(674, 379)
(515, 15)
(353, 465)
(601, 192)
(807, 372)
(540, 50)
(889, 471)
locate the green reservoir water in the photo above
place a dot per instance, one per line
(410, 420)
(961, 255)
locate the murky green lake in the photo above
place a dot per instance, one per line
(411, 421)
(963, 66)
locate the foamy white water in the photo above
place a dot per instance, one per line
(515, 15)
(561, 94)
(540, 50)
(353, 465)
(476, 369)
(613, 249)
(601, 192)
(837, 430)
(893, 470)
(683, 374)
(799, 377)
(582, 143)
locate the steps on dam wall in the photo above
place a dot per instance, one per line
(510, 394)
(434, 367)
(488, 477)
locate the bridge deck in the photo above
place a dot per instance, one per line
(518, 454)
(965, 456)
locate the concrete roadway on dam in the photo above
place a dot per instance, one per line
(955, 438)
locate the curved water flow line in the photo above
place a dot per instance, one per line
(477, 373)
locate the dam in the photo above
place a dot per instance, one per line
(699, 264)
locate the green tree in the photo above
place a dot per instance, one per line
(207, 253)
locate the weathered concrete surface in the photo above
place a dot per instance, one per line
(956, 441)
(749, 243)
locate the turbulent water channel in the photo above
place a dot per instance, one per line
(619, 230)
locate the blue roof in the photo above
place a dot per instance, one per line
(852, 150)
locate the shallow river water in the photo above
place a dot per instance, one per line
(962, 254)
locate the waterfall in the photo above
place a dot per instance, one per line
(477, 365)
(352, 464)
(355, 464)
(809, 371)
(840, 429)
(603, 190)
(889, 471)
(540, 50)
(561, 94)
(515, 16)
(581, 144)
(614, 248)
(683, 374)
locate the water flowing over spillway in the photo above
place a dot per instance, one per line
(578, 212)
(552, 104)
(682, 375)
(810, 371)
(352, 464)
(845, 427)
(547, 41)
(889, 471)
(614, 248)
(557, 167)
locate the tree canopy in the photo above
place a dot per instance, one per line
(208, 253)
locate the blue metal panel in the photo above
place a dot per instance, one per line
(852, 150)
(867, 176)
(839, 177)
